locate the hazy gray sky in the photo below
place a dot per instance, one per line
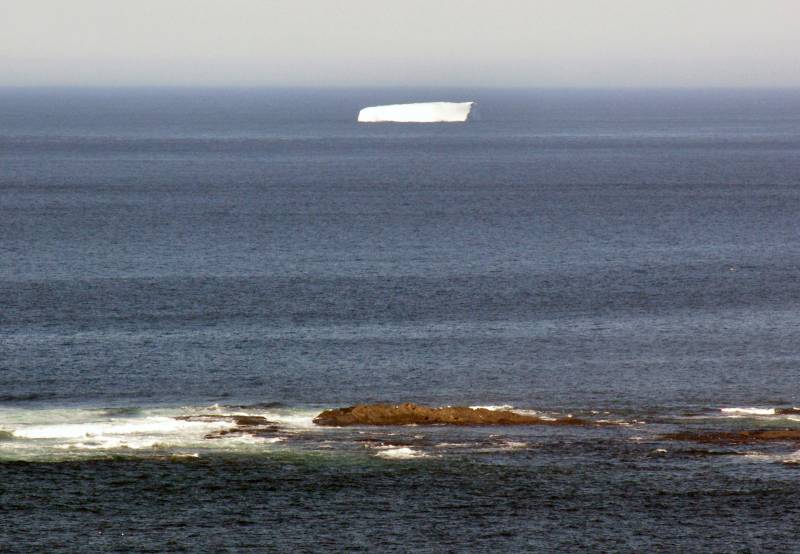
(414, 42)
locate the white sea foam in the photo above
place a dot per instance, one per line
(514, 444)
(400, 453)
(293, 420)
(749, 411)
(144, 433)
(792, 459)
(493, 408)
(59, 433)
(112, 443)
(530, 413)
(760, 457)
(151, 426)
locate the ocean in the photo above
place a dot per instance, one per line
(174, 259)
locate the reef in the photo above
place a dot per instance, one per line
(245, 424)
(413, 414)
(737, 437)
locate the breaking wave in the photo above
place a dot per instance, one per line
(400, 453)
(271, 429)
(748, 411)
(66, 433)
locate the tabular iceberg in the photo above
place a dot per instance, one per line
(425, 112)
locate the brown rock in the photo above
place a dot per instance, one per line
(245, 425)
(408, 413)
(240, 420)
(737, 437)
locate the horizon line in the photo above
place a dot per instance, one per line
(398, 86)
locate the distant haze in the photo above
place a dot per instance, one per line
(401, 42)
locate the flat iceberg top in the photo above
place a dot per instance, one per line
(424, 112)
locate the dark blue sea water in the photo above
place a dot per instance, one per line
(624, 256)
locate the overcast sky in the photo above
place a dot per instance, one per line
(405, 42)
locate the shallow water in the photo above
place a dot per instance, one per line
(141, 480)
(622, 256)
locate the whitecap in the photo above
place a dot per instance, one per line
(151, 425)
(758, 457)
(400, 453)
(243, 439)
(63, 433)
(294, 420)
(514, 444)
(748, 411)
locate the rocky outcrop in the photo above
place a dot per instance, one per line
(737, 437)
(408, 414)
(245, 425)
(240, 420)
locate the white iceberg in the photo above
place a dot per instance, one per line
(424, 112)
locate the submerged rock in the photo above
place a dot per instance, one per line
(408, 414)
(245, 425)
(240, 420)
(737, 437)
(705, 453)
